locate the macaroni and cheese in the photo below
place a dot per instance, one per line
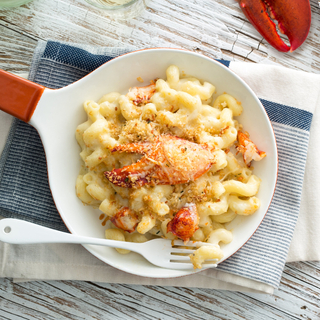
(168, 160)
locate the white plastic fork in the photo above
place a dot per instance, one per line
(160, 252)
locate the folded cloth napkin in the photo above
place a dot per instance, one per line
(289, 97)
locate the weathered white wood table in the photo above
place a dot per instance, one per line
(216, 28)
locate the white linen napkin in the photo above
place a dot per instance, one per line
(73, 262)
(302, 89)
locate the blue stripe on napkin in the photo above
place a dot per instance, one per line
(25, 193)
(224, 62)
(290, 116)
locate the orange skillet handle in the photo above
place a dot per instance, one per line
(18, 97)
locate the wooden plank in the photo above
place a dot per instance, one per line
(16, 49)
(75, 299)
(216, 28)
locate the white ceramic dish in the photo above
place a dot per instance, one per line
(59, 112)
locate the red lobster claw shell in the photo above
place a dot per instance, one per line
(293, 16)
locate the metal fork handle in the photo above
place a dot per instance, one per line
(16, 231)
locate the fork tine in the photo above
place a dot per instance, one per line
(180, 243)
(177, 250)
(187, 266)
(192, 244)
(209, 265)
(180, 266)
(174, 258)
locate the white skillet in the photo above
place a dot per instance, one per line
(57, 113)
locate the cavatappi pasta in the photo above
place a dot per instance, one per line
(125, 173)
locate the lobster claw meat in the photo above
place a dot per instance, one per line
(293, 16)
(185, 222)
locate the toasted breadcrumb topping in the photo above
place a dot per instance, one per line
(138, 130)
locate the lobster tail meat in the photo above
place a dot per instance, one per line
(167, 160)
